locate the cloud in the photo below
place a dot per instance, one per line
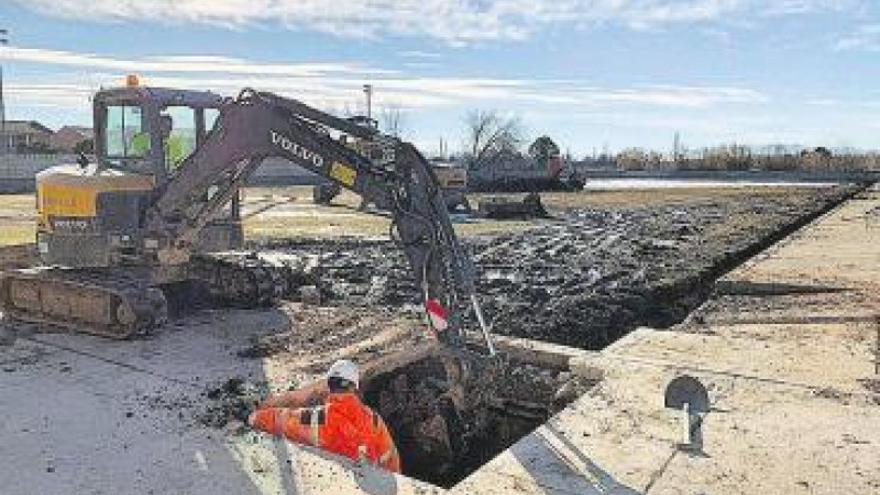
(865, 38)
(822, 102)
(336, 83)
(420, 55)
(183, 63)
(456, 22)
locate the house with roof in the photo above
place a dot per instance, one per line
(68, 137)
(25, 135)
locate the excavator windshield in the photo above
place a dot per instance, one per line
(125, 135)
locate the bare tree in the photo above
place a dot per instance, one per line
(393, 121)
(489, 134)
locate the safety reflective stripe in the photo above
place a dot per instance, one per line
(315, 424)
(281, 417)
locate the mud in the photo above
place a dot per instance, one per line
(230, 403)
(317, 336)
(588, 276)
(313, 338)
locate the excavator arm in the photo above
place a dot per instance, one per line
(255, 126)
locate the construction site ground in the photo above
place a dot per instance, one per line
(791, 376)
(283, 212)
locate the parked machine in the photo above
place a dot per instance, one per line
(542, 169)
(162, 195)
(453, 180)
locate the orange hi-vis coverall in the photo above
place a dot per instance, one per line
(343, 425)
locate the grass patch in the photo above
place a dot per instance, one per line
(17, 233)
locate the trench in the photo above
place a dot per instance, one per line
(444, 435)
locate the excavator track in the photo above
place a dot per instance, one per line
(121, 303)
(110, 303)
(241, 280)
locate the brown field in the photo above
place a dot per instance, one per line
(284, 212)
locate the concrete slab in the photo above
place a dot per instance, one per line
(794, 354)
(90, 415)
(836, 251)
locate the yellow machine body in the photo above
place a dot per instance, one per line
(70, 192)
(89, 217)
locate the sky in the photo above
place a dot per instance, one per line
(593, 74)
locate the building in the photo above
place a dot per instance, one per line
(25, 135)
(66, 138)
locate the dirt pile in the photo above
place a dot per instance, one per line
(589, 276)
(231, 402)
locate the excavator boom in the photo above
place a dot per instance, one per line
(256, 126)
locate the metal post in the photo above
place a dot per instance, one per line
(877, 350)
(686, 424)
(4, 40)
(368, 90)
(483, 327)
(2, 111)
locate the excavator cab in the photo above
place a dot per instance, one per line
(151, 130)
(90, 214)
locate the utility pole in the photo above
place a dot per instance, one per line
(4, 40)
(676, 149)
(368, 91)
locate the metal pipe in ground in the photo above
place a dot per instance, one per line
(877, 350)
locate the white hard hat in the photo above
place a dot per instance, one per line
(345, 370)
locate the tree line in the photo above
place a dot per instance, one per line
(735, 157)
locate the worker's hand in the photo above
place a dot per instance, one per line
(251, 418)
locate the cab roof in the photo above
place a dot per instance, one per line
(161, 96)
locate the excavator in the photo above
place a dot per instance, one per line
(162, 195)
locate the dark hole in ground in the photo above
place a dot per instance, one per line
(442, 436)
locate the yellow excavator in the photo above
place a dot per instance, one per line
(114, 234)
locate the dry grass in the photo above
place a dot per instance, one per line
(287, 211)
(291, 213)
(16, 233)
(17, 219)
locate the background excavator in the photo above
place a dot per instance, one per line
(162, 194)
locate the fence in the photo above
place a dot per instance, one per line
(17, 171)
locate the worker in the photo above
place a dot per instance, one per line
(341, 424)
(174, 144)
(139, 146)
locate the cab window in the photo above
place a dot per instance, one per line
(125, 137)
(180, 140)
(211, 115)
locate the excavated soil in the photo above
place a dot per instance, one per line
(588, 276)
(444, 434)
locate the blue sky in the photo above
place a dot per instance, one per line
(590, 73)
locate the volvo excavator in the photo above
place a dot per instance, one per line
(162, 194)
